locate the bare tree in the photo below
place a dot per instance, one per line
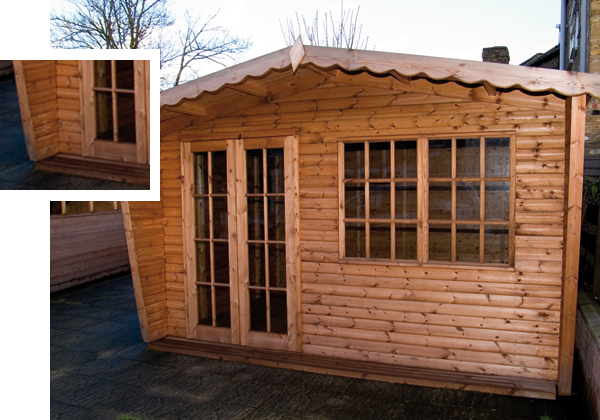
(111, 24)
(344, 33)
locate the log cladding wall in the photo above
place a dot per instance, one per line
(86, 247)
(470, 319)
(68, 81)
(40, 81)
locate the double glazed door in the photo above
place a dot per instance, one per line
(239, 216)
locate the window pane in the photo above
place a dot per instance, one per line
(104, 116)
(256, 264)
(440, 158)
(221, 252)
(468, 200)
(77, 207)
(406, 241)
(201, 173)
(126, 117)
(103, 205)
(497, 157)
(467, 243)
(354, 160)
(379, 201)
(468, 153)
(277, 265)
(355, 240)
(256, 218)
(379, 160)
(440, 200)
(258, 310)
(496, 244)
(254, 171)
(220, 217)
(204, 305)
(440, 237)
(276, 208)
(102, 74)
(496, 200)
(381, 240)
(278, 312)
(354, 201)
(202, 219)
(203, 262)
(124, 74)
(275, 171)
(223, 308)
(219, 172)
(406, 159)
(406, 200)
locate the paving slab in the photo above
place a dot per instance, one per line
(101, 369)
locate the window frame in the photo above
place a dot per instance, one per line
(423, 201)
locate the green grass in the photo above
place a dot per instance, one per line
(127, 417)
(545, 418)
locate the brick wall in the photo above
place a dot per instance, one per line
(589, 353)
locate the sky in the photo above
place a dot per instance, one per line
(442, 28)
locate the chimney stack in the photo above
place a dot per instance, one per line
(496, 55)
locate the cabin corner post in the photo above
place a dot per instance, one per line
(188, 226)
(135, 272)
(575, 145)
(21, 84)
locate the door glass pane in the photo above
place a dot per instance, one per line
(354, 160)
(496, 244)
(276, 214)
(278, 312)
(354, 201)
(275, 178)
(126, 117)
(379, 201)
(221, 255)
(440, 238)
(258, 310)
(468, 163)
(220, 217)
(201, 173)
(256, 264)
(203, 262)
(467, 243)
(104, 116)
(406, 159)
(440, 200)
(496, 200)
(204, 305)
(102, 74)
(254, 171)
(202, 218)
(381, 240)
(379, 160)
(256, 218)
(468, 202)
(219, 172)
(497, 157)
(406, 200)
(222, 307)
(277, 265)
(124, 70)
(355, 240)
(406, 241)
(440, 158)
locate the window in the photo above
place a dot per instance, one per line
(428, 199)
(75, 207)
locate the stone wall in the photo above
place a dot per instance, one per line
(587, 341)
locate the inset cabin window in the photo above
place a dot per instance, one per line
(427, 200)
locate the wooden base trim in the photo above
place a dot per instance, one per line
(96, 168)
(505, 385)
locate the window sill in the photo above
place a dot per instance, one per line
(431, 264)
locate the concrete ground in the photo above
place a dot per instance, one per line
(101, 369)
(16, 170)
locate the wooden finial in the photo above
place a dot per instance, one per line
(297, 53)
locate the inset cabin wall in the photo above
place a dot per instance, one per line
(495, 320)
(68, 82)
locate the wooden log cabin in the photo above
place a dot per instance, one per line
(375, 215)
(87, 117)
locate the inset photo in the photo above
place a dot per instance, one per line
(75, 124)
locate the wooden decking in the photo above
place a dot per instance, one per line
(96, 168)
(505, 385)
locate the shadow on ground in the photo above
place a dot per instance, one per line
(16, 170)
(100, 369)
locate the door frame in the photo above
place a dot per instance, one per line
(240, 333)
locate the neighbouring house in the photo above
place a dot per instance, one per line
(87, 118)
(376, 215)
